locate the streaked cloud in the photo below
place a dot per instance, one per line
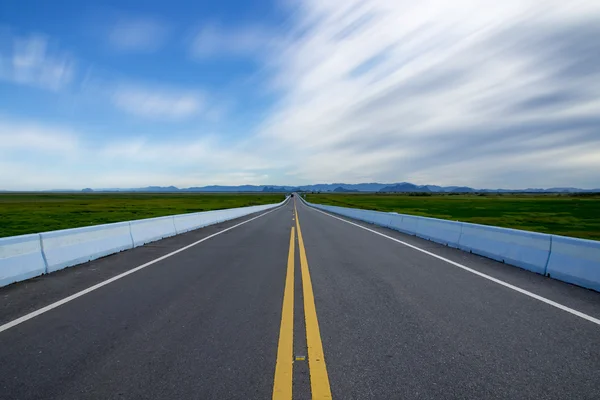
(53, 156)
(501, 94)
(438, 92)
(33, 61)
(157, 103)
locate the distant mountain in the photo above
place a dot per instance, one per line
(218, 188)
(435, 188)
(463, 189)
(365, 187)
(564, 190)
(530, 190)
(274, 189)
(330, 187)
(156, 189)
(446, 188)
(319, 187)
(405, 188)
(401, 187)
(340, 189)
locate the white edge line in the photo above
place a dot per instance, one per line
(498, 281)
(59, 303)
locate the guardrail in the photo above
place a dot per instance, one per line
(571, 260)
(27, 256)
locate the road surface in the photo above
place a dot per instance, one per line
(297, 304)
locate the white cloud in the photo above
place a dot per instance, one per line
(33, 61)
(205, 150)
(143, 35)
(47, 157)
(19, 136)
(467, 93)
(438, 92)
(157, 103)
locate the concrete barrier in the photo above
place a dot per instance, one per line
(405, 224)
(233, 213)
(381, 219)
(223, 215)
(361, 215)
(226, 215)
(23, 257)
(575, 261)
(528, 250)
(20, 258)
(152, 229)
(396, 221)
(365, 215)
(69, 247)
(346, 212)
(329, 208)
(189, 222)
(568, 259)
(322, 207)
(439, 230)
(358, 214)
(373, 217)
(340, 210)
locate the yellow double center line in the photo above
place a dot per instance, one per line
(319, 380)
(282, 388)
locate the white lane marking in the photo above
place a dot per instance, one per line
(59, 303)
(498, 281)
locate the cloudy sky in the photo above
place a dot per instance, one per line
(191, 93)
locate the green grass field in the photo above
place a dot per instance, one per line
(22, 213)
(568, 215)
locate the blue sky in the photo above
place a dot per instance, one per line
(188, 93)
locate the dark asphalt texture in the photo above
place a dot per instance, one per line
(204, 324)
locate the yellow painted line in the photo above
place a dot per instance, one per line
(282, 386)
(319, 380)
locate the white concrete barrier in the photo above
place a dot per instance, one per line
(152, 229)
(233, 213)
(225, 215)
(568, 259)
(396, 221)
(372, 217)
(189, 222)
(23, 257)
(528, 250)
(439, 230)
(406, 224)
(346, 212)
(20, 258)
(69, 247)
(355, 213)
(575, 261)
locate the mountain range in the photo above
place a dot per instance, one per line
(402, 187)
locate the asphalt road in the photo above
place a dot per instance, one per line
(367, 317)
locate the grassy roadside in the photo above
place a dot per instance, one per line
(22, 213)
(560, 214)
